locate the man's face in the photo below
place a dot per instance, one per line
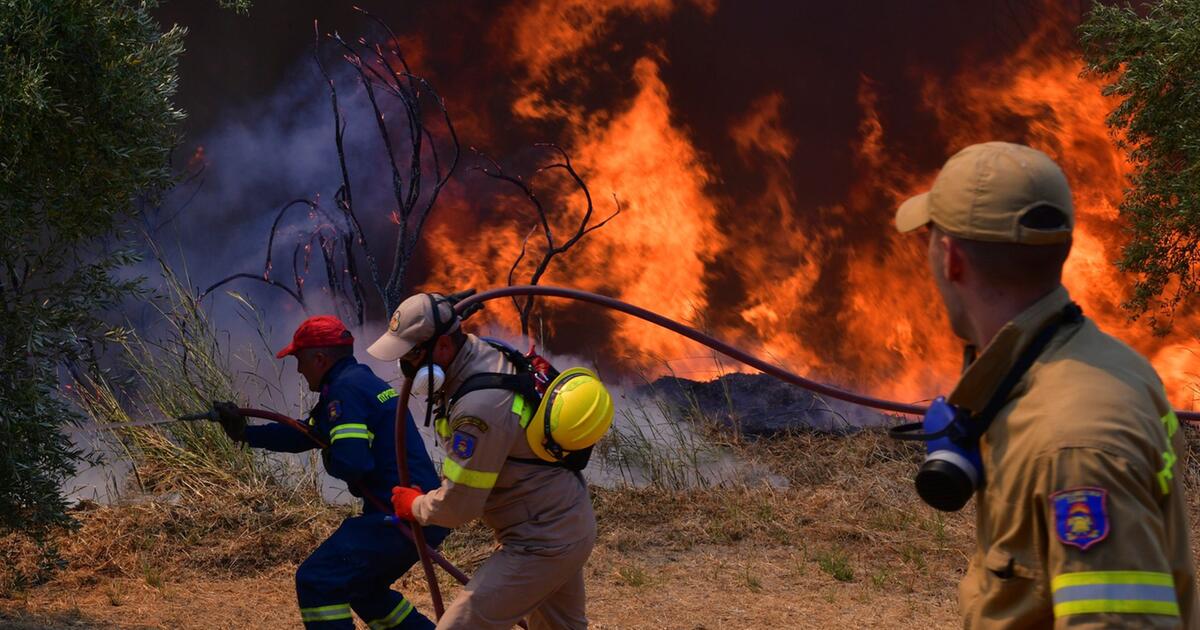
(312, 365)
(412, 361)
(944, 277)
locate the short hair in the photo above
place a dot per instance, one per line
(1019, 264)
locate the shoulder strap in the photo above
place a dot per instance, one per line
(1070, 314)
(491, 380)
(521, 382)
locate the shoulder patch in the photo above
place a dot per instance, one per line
(335, 410)
(1080, 516)
(469, 420)
(463, 445)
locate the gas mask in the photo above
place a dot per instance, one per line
(953, 468)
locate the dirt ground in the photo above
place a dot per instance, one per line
(846, 544)
(707, 587)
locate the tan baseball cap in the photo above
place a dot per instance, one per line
(986, 191)
(413, 324)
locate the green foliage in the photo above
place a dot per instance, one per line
(1151, 61)
(88, 125)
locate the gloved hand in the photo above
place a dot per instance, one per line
(402, 501)
(232, 420)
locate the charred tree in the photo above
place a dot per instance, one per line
(418, 174)
(545, 225)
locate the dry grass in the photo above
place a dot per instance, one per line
(675, 552)
(846, 543)
(171, 538)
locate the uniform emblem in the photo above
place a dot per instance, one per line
(394, 323)
(1080, 516)
(335, 411)
(471, 420)
(463, 445)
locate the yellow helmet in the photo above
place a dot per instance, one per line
(576, 411)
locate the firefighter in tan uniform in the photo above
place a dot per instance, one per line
(1080, 513)
(542, 514)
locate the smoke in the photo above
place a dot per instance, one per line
(758, 153)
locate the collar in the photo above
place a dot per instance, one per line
(983, 376)
(459, 370)
(336, 371)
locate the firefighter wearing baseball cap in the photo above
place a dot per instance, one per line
(354, 568)
(1081, 519)
(540, 511)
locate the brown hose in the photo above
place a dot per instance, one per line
(715, 344)
(435, 592)
(437, 557)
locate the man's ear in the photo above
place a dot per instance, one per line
(445, 346)
(954, 259)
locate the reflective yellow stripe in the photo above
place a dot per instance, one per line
(394, 618)
(1126, 606)
(386, 395)
(522, 410)
(335, 612)
(467, 477)
(1128, 592)
(1082, 578)
(442, 426)
(1167, 474)
(350, 430)
(1171, 424)
(362, 436)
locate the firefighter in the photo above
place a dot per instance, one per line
(355, 415)
(1081, 519)
(538, 507)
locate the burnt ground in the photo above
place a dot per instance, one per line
(760, 405)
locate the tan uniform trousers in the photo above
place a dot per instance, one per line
(543, 584)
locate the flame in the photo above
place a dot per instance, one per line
(832, 291)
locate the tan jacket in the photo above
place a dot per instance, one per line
(526, 504)
(1082, 520)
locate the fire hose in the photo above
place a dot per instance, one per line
(468, 305)
(415, 534)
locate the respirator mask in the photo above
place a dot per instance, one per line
(953, 468)
(427, 380)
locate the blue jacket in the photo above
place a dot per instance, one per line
(356, 416)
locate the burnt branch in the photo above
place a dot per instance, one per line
(344, 197)
(418, 167)
(385, 72)
(579, 230)
(250, 276)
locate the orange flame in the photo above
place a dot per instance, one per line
(833, 292)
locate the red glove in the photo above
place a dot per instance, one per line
(402, 500)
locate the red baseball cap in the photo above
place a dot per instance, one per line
(320, 331)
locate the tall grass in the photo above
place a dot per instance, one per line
(662, 444)
(180, 370)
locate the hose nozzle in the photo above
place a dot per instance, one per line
(210, 414)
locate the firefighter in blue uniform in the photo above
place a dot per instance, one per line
(356, 566)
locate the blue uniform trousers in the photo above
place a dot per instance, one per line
(354, 570)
